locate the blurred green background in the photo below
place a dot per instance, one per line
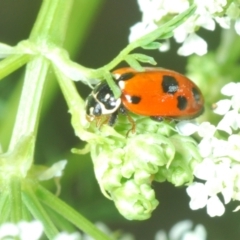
(96, 35)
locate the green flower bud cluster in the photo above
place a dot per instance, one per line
(125, 166)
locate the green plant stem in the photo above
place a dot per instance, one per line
(16, 199)
(52, 21)
(26, 214)
(4, 206)
(11, 63)
(37, 210)
(29, 107)
(69, 213)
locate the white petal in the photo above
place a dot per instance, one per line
(206, 130)
(206, 22)
(54, 171)
(179, 229)
(235, 102)
(220, 147)
(68, 236)
(215, 207)
(161, 235)
(225, 123)
(236, 209)
(30, 230)
(165, 46)
(199, 233)
(193, 44)
(205, 170)
(237, 26)
(197, 193)
(205, 147)
(229, 89)
(223, 106)
(186, 128)
(230, 120)
(8, 229)
(227, 194)
(224, 22)
(234, 147)
(140, 29)
(213, 186)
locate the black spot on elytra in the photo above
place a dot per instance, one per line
(126, 76)
(169, 84)
(196, 94)
(135, 99)
(182, 102)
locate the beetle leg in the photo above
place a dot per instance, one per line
(157, 118)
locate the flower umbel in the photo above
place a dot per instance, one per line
(207, 14)
(220, 167)
(126, 167)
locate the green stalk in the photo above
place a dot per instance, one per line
(11, 63)
(4, 206)
(16, 199)
(29, 107)
(37, 210)
(52, 21)
(70, 214)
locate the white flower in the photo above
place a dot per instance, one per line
(183, 230)
(215, 207)
(224, 22)
(68, 236)
(234, 147)
(140, 29)
(193, 44)
(8, 229)
(206, 130)
(230, 89)
(30, 230)
(205, 169)
(187, 128)
(22, 230)
(222, 106)
(199, 199)
(230, 121)
(165, 46)
(198, 194)
(208, 12)
(205, 147)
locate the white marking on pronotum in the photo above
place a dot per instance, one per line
(110, 111)
(121, 84)
(107, 96)
(117, 76)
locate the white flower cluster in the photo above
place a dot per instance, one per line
(183, 230)
(208, 12)
(219, 171)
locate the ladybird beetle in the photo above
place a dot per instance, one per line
(158, 93)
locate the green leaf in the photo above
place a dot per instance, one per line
(134, 63)
(112, 84)
(152, 45)
(144, 58)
